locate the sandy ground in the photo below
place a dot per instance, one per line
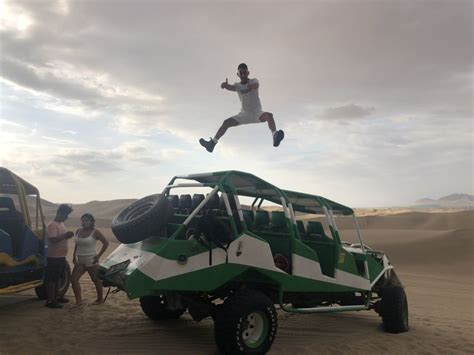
(431, 252)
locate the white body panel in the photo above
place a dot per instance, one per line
(246, 250)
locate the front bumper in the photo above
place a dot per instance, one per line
(115, 275)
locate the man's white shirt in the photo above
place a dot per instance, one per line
(250, 101)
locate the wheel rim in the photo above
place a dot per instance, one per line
(255, 329)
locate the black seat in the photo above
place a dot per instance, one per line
(300, 226)
(185, 203)
(7, 205)
(222, 207)
(249, 218)
(12, 222)
(5, 243)
(233, 208)
(197, 199)
(278, 222)
(232, 204)
(174, 199)
(262, 220)
(213, 205)
(315, 231)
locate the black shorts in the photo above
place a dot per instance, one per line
(55, 269)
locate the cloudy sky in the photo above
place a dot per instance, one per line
(107, 99)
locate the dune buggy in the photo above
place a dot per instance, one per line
(23, 246)
(213, 256)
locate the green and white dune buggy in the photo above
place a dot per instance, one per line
(214, 257)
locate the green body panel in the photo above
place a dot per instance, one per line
(137, 284)
(345, 261)
(326, 255)
(279, 242)
(175, 248)
(306, 251)
(375, 267)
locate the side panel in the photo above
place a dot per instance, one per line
(311, 270)
(207, 271)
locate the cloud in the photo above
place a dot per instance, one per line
(10, 124)
(49, 156)
(69, 131)
(70, 89)
(172, 154)
(347, 112)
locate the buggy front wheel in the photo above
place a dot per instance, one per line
(246, 324)
(394, 309)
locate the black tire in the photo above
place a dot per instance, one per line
(394, 309)
(246, 324)
(142, 218)
(156, 308)
(64, 285)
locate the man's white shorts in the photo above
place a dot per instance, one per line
(248, 117)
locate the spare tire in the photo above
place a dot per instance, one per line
(142, 219)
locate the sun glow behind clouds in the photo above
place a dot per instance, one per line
(13, 19)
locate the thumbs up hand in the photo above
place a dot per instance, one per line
(224, 84)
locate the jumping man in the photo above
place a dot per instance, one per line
(251, 111)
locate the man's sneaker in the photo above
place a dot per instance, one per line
(278, 137)
(54, 304)
(209, 145)
(62, 300)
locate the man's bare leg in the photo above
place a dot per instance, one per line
(94, 275)
(209, 145)
(268, 117)
(277, 135)
(230, 122)
(77, 272)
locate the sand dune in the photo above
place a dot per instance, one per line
(406, 220)
(433, 256)
(420, 220)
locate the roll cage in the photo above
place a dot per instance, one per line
(12, 184)
(233, 184)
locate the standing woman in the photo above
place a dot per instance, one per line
(85, 257)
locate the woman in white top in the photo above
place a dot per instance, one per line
(85, 257)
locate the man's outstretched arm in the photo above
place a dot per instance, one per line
(226, 85)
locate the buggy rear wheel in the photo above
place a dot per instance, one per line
(394, 309)
(246, 324)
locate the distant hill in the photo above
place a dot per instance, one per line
(450, 201)
(105, 211)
